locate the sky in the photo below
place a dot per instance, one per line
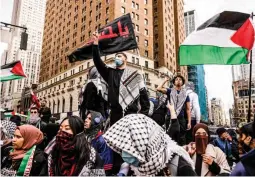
(218, 78)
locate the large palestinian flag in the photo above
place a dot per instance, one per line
(11, 71)
(224, 39)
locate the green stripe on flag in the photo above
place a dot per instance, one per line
(12, 77)
(205, 54)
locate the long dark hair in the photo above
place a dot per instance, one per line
(82, 147)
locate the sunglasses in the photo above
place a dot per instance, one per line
(34, 112)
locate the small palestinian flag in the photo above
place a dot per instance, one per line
(12, 71)
(225, 39)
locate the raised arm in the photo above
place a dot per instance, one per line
(161, 87)
(100, 65)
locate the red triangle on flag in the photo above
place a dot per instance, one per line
(244, 36)
(18, 70)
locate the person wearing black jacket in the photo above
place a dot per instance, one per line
(122, 97)
(45, 112)
(92, 98)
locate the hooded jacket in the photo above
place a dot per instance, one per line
(194, 105)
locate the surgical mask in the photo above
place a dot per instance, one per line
(128, 158)
(118, 61)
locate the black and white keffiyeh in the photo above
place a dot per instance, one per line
(9, 128)
(131, 84)
(178, 99)
(143, 138)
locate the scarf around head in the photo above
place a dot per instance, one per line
(96, 125)
(66, 158)
(141, 137)
(32, 136)
(8, 128)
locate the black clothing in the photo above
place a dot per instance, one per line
(214, 168)
(159, 113)
(198, 165)
(39, 165)
(45, 114)
(184, 168)
(174, 130)
(92, 101)
(248, 162)
(113, 78)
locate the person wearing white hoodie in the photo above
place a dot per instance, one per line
(194, 107)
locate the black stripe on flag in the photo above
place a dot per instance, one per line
(227, 20)
(9, 65)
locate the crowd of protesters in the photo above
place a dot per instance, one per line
(123, 132)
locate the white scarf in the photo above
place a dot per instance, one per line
(144, 139)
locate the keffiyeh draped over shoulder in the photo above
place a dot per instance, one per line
(141, 137)
(8, 128)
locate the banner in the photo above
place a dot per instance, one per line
(115, 37)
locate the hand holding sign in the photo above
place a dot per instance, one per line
(95, 38)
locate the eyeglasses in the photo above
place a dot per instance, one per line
(32, 112)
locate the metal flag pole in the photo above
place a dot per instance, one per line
(249, 109)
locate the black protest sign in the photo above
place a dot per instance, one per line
(115, 37)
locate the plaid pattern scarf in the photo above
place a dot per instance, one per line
(131, 84)
(141, 137)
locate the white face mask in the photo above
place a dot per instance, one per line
(118, 61)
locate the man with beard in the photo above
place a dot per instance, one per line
(247, 149)
(45, 112)
(178, 97)
(127, 93)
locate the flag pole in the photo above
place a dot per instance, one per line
(249, 109)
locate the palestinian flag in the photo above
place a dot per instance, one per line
(224, 39)
(11, 71)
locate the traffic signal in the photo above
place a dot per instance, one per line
(23, 42)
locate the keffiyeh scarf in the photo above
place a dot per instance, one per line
(130, 85)
(8, 128)
(141, 137)
(178, 99)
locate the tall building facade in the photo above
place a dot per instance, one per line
(169, 33)
(196, 74)
(70, 24)
(218, 113)
(28, 13)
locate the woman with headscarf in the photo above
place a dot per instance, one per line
(144, 145)
(25, 159)
(72, 155)
(93, 125)
(209, 160)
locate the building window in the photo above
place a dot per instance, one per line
(133, 4)
(146, 53)
(145, 21)
(133, 59)
(107, 10)
(137, 27)
(58, 106)
(146, 76)
(145, 1)
(137, 61)
(137, 17)
(146, 32)
(137, 38)
(133, 15)
(146, 43)
(145, 11)
(123, 10)
(137, 6)
(146, 64)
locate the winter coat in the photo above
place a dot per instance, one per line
(104, 151)
(219, 158)
(45, 114)
(194, 105)
(39, 165)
